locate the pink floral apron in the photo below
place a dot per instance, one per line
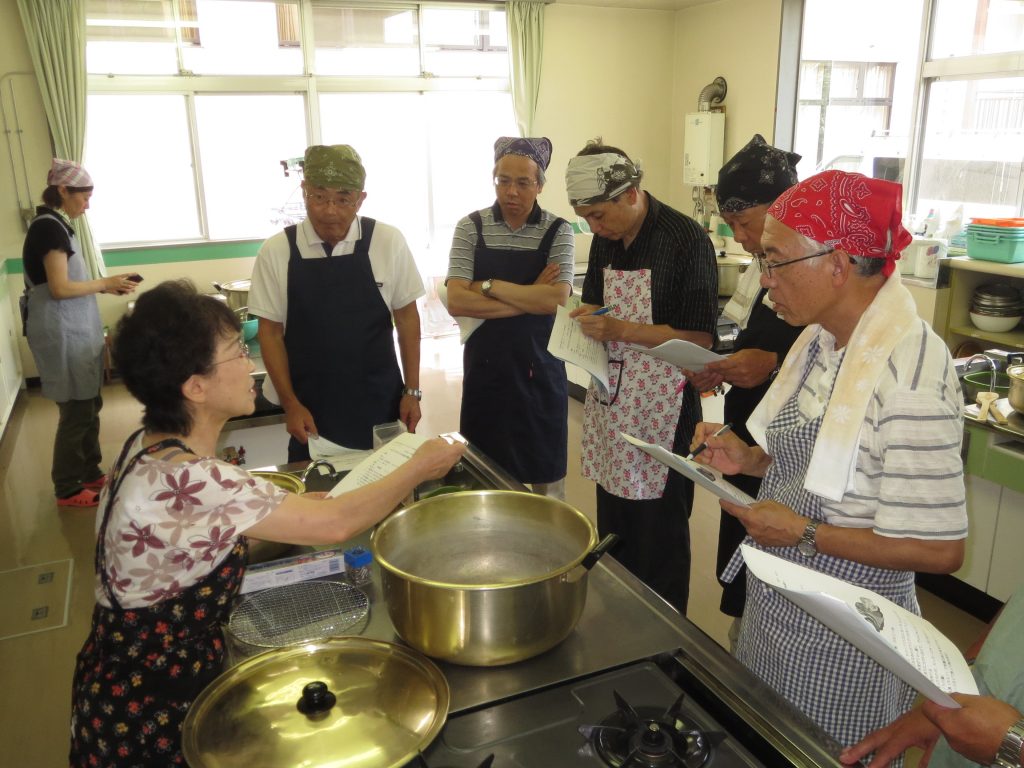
(644, 399)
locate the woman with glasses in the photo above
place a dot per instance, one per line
(511, 266)
(173, 526)
(62, 323)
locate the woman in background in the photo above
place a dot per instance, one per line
(62, 323)
(171, 537)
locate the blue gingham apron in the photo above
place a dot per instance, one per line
(845, 692)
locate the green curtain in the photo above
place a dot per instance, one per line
(55, 31)
(526, 46)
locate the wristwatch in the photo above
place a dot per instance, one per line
(417, 393)
(1009, 754)
(485, 287)
(808, 546)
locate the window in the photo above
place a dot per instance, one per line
(949, 125)
(194, 105)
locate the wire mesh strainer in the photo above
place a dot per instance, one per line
(297, 613)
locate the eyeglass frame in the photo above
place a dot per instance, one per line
(522, 184)
(318, 198)
(243, 353)
(766, 266)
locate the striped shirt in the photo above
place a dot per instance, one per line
(499, 236)
(909, 478)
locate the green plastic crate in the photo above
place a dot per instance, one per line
(995, 246)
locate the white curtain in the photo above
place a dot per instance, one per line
(526, 46)
(55, 30)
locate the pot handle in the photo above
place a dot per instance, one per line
(603, 546)
(218, 287)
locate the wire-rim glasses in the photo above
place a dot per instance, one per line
(767, 266)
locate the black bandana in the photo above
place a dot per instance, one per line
(755, 175)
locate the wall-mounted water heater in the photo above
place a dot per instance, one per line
(703, 148)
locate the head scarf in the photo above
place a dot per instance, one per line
(861, 215)
(755, 175)
(538, 150)
(591, 179)
(66, 173)
(337, 166)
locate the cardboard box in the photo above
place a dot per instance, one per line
(291, 570)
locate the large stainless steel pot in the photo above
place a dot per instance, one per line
(236, 292)
(1016, 394)
(729, 277)
(486, 577)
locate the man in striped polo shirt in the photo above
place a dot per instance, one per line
(511, 265)
(858, 441)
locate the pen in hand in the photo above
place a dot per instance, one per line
(601, 311)
(702, 446)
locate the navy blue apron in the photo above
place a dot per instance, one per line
(339, 336)
(515, 396)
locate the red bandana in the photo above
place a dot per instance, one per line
(861, 215)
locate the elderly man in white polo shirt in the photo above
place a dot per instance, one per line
(329, 293)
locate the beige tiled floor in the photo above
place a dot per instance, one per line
(36, 669)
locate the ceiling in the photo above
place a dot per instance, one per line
(657, 5)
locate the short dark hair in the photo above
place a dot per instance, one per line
(51, 195)
(171, 334)
(596, 146)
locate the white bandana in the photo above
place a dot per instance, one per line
(593, 179)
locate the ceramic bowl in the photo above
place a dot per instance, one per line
(994, 323)
(249, 328)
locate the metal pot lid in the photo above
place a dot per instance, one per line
(347, 701)
(235, 285)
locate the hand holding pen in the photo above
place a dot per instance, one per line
(703, 446)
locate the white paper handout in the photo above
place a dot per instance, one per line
(340, 457)
(905, 644)
(568, 343)
(684, 354)
(706, 477)
(381, 462)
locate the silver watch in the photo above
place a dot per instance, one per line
(1009, 754)
(808, 545)
(485, 287)
(417, 393)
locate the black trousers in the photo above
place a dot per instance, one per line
(655, 537)
(731, 534)
(76, 446)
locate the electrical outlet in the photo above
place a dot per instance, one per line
(40, 613)
(45, 578)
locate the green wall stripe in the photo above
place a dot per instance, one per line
(167, 254)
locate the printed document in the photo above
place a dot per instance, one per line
(340, 457)
(706, 477)
(568, 343)
(684, 354)
(381, 462)
(905, 644)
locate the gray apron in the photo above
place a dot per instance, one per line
(65, 335)
(845, 692)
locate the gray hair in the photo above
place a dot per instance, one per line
(863, 266)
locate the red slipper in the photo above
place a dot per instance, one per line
(97, 484)
(83, 499)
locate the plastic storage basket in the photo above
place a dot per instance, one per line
(995, 243)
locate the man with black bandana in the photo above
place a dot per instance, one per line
(747, 184)
(654, 269)
(510, 268)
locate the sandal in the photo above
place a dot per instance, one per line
(83, 499)
(97, 484)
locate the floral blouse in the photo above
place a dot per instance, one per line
(173, 523)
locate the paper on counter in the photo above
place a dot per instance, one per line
(706, 477)
(340, 457)
(380, 463)
(905, 644)
(684, 354)
(568, 343)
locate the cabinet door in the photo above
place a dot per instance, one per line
(1007, 571)
(982, 513)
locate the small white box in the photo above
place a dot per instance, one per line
(291, 570)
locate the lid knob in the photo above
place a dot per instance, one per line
(316, 699)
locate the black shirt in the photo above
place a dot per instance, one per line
(684, 282)
(44, 235)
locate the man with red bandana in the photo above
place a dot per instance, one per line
(858, 442)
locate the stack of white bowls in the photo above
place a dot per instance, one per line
(996, 308)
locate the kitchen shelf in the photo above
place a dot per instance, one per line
(1008, 339)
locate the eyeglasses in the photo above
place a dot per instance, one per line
(243, 353)
(767, 266)
(522, 184)
(322, 199)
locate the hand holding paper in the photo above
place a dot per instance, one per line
(568, 343)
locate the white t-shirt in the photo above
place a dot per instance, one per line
(394, 268)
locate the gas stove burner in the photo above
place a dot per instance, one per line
(647, 737)
(420, 762)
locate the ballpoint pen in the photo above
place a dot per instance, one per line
(601, 311)
(704, 445)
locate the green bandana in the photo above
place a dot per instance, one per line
(335, 167)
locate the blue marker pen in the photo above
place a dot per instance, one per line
(601, 311)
